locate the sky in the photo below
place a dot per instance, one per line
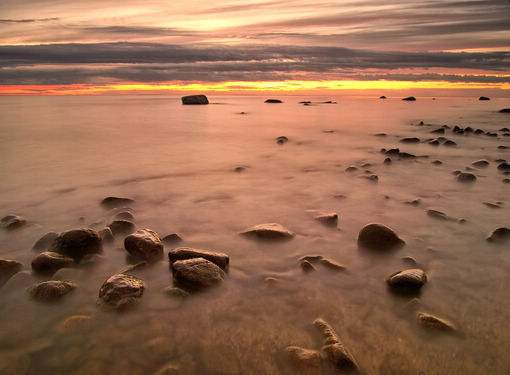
(153, 46)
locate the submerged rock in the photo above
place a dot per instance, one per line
(504, 166)
(115, 202)
(334, 266)
(174, 292)
(306, 266)
(76, 243)
(504, 110)
(268, 231)
(11, 222)
(196, 273)
(438, 131)
(328, 218)
(120, 227)
(195, 99)
(273, 101)
(282, 139)
(47, 263)
(378, 237)
(45, 241)
(8, 268)
(466, 177)
(408, 280)
(382, 97)
(434, 323)
(121, 291)
(437, 214)
(410, 98)
(172, 239)
(410, 140)
(449, 143)
(499, 235)
(125, 215)
(183, 253)
(304, 361)
(49, 291)
(387, 161)
(145, 244)
(106, 234)
(482, 163)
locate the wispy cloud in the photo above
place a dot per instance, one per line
(29, 20)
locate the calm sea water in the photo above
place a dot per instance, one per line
(62, 155)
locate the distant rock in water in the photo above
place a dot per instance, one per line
(11, 222)
(47, 263)
(119, 227)
(410, 140)
(466, 177)
(282, 139)
(121, 291)
(482, 163)
(171, 239)
(434, 323)
(273, 101)
(505, 110)
(484, 98)
(77, 243)
(114, 202)
(45, 241)
(145, 244)
(410, 99)
(504, 166)
(329, 102)
(408, 280)
(499, 235)
(378, 237)
(382, 97)
(269, 231)
(8, 268)
(195, 99)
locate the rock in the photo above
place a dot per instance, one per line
(183, 253)
(479, 131)
(125, 215)
(73, 322)
(115, 202)
(106, 235)
(504, 110)
(335, 353)
(381, 135)
(410, 140)
(311, 258)
(304, 361)
(47, 263)
(437, 162)
(11, 222)
(406, 155)
(351, 168)
(387, 161)
(45, 241)
(328, 218)
(334, 266)
(195, 99)
(76, 243)
(500, 235)
(239, 169)
(392, 151)
(305, 102)
(306, 266)
(196, 273)
(456, 173)
(434, 323)
(434, 142)
(121, 291)
(273, 101)
(438, 131)
(269, 231)
(372, 178)
(121, 227)
(18, 281)
(8, 268)
(482, 163)
(282, 139)
(410, 261)
(410, 98)
(329, 102)
(504, 167)
(492, 205)
(378, 237)
(491, 134)
(382, 97)
(503, 147)
(466, 177)
(414, 202)
(145, 244)
(449, 143)
(504, 129)
(506, 180)
(49, 291)
(437, 214)
(172, 239)
(174, 292)
(136, 267)
(408, 280)
(484, 98)
(469, 129)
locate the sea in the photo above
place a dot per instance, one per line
(207, 172)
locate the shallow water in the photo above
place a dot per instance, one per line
(62, 155)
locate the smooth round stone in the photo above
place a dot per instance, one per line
(482, 163)
(196, 273)
(145, 244)
(50, 262)
(378, 237)
(271, 231)
(466, 177)
(411, 279)
(77, 243)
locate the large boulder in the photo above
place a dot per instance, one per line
(195, 99)
(49, 291)
(183, 253)
(144, 244)
(45, 241)
(196, 273)
(8, 268)
(115, 202)
(76, 243)
(121, 291)
(47, 263)
(378, 237)
(268, 231)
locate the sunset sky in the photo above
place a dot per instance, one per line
(106, 46)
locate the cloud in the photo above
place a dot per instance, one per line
(29, 20)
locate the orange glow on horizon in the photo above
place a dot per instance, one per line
(290, 86)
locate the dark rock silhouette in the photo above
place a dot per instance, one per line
(195, 99)
(274, 101)
(410, 99)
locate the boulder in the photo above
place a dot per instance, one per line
(268, 231)
(195, 99)
(273, 101)
(328, 218)
(172, 239)
(76, 243)
(8, 268)
(499, 235)
(47, 263)
(466, 177)
(49, 291)
(484, 98)
(144, 244)
(449, 143)
(45, 241)
(196, 274)
(408, 280)
(434, 323)
(115, 202)
(378, 237)
(121, 291)
(11, 222)
(122, 227)
(183, 253)
(410, 99)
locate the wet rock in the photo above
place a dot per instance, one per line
(106, 235)
(466, 177)
(335, 353)
(414, 202)
(437, 162)
(305, 102)
(45, 241)
(73, 322)
(11, 222)
(172, 239)
(304, 361)
(269, 231)
(372, 178)
(479, 131)
(434, 323)
(282, 139)
(438, 131)
(392, 151)
(49, 291)
(491, 134)
(196, 273)
(121, 291)
(47, 263)
(351, 168)
(387, 161)
(8, 268)
(408, 280)
(378, 237)
(434, 142)
(306, 266)
(410, 140)
(456, 173)
(504, 110)
(195, 99)
(503, 147)
(328, 218)
(183, 253)
(437, 215)
(311, 258)
(121, 227)
(76, 243)
(115, 202)
(504, 130)
(381, 135)
(469, 129)
(382, 97)
(125, 215)
(484, 98)
(174, 292)
(406, 155)
(499, 235)
(504, 167)
(482, 163)
(334, 266)
(449, 143)
(273, 101)
(145, 244)
(410, 99)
